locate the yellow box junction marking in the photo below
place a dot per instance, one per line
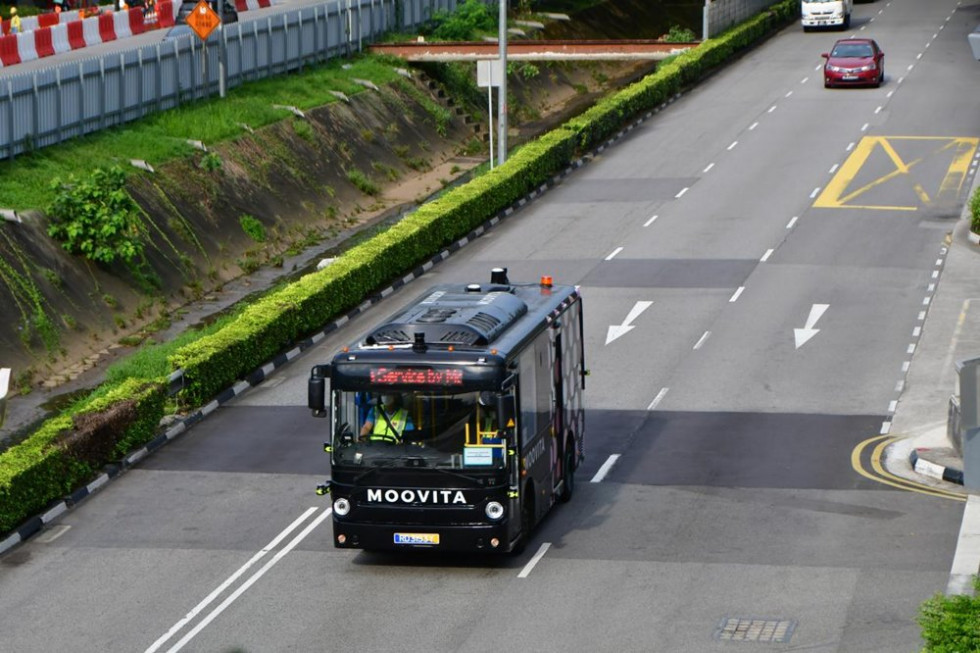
(959, 150)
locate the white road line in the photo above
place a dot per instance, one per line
(892, 406)
(864, 127)
(753, 125)
(771, 109)
(660, 397)
(732, 146)
(709, 167)
(704, 336)
(804, 80)
(966, 560)
(533, 561)
(251, 581)
(878, 110)
(650, 221)
(792, 222)
(815, 192)
(850, 146)
(680, 194)
(734, 297)
(231, 579)
(833, 169)
(765, 257)
(789, 94)
(886, 427)
(606, 466)
(614, 252)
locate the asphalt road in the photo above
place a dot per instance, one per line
(773, 245)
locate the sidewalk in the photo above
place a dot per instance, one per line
(951, 333)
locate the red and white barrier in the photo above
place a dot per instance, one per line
(107, 28)
(120, 23)
(49, 34)
(245, 5)
(90, 31)
(25, 47)
(166, 13)
(8, 50)
(76, 34)
(43, 45)
(59, 38)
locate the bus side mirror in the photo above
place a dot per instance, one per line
(317, 390)
(506, 412)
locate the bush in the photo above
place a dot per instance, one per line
(951, 624)
(469, 18)
(252, 227)
(96, 217)
(975, 212)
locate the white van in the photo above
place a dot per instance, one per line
(826, 13)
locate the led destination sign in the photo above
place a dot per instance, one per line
(368, 376)
(415, 376)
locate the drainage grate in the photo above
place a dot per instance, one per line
(752, 629)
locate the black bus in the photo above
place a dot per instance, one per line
(457, 423)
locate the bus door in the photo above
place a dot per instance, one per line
(536, 401)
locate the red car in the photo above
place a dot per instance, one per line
(854, 62)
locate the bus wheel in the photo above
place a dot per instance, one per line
(527, 519)
(568, 471)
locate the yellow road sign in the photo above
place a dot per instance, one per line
(926, 170)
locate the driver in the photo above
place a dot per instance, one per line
(387, 420)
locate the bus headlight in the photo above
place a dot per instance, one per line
(495, 511)
(341, 507)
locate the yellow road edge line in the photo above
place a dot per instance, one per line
(876, 464)
(908, 486)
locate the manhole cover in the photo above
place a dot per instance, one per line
(753, 629)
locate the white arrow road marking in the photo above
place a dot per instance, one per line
(807, 332)
(617, 330)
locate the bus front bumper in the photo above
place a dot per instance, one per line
(484, 538)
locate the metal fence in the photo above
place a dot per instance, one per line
(719, 15)
(69, 100)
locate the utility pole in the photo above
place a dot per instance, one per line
(502, 91)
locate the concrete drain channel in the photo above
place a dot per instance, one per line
(754, 629)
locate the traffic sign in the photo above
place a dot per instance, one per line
(203, 19)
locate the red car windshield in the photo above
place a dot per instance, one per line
(852, 51)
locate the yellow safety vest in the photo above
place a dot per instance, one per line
(382, 427)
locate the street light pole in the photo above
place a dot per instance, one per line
(502, 91)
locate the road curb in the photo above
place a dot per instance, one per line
(933, 469)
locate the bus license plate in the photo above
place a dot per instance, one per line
(416, 538)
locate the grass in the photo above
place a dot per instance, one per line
(150, 362)
(160, 137)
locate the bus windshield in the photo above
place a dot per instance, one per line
(417, 429)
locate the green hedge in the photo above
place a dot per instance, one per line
(66, 451)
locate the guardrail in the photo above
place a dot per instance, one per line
(68, 100)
